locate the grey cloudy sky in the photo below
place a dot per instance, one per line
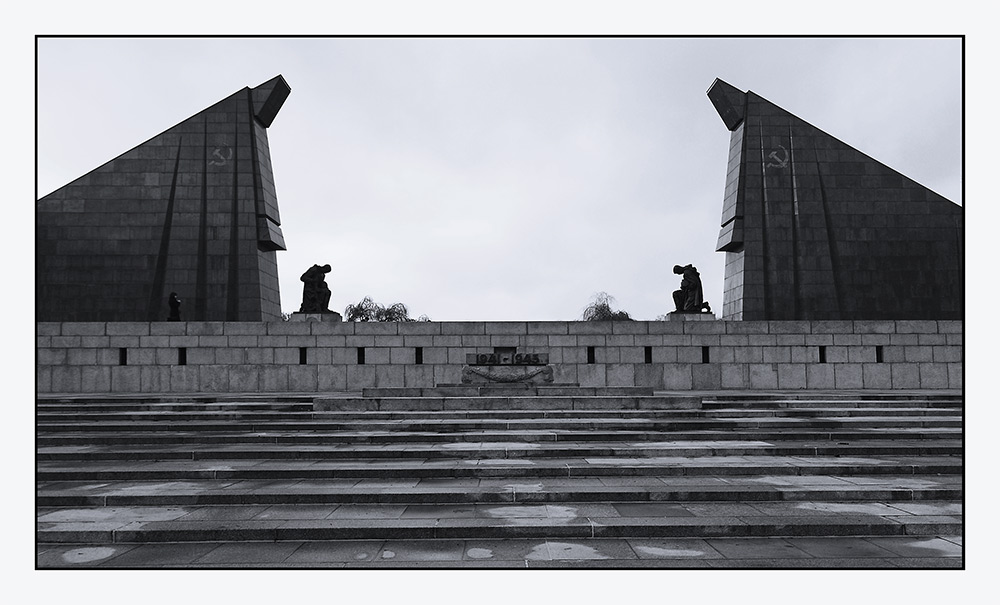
(503, 178)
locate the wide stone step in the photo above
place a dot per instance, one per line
(840, 394)
(929, 490)
(498, 405)
(55, 416)
(450, 425)
(506, 403)
(824, 552)
(885, 402)
(195, 438)
(172, 398)
(182, 404)
(499, 521)
(494, 390)
(953, 447)
(507, 467)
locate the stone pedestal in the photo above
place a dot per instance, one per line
(677, 316)
(331, 316)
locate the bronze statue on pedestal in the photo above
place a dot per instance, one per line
(690, 299)
(315, 292)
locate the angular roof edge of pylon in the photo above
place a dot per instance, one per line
(270, 98)
(727, 92)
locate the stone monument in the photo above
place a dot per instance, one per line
(192, 209)
(690, 298)
(814, 229)
(316, 295)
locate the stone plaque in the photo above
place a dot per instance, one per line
(515, 359)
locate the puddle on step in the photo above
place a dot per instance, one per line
(88, 555)
(531, 514)
(479, 553)
(666, 553)
(524, 487)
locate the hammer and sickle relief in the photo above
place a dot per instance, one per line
(782, 162)
(221, 155)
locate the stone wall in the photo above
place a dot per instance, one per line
(216, 357)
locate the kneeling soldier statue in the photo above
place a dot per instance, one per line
(690, 299)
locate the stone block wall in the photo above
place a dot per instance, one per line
(240, 357)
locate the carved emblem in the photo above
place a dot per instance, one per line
(782, 162)
(221, 155)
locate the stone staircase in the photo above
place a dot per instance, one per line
(507, 476)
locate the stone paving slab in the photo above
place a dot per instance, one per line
(327, 553)
(757, 548)
(365, 511)
(299, 511)
(852, 548)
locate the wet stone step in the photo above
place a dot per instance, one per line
(69, 421)
(50, 419)
(505, 403)
(592, 467)
(459, 425)
(877, 552)
(493, 449)
(512, 389)
(557, 467)
(935, 497)
(506, 452)
(504, 525)
(710, 404)
(791, 396)
(77, 439)
(43, 405)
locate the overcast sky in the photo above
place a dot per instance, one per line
(503, 178)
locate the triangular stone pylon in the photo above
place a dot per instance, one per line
(192, 211)
(814, 229)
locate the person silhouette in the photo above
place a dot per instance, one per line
(175, 307)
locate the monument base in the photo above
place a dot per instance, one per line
(696, 316)
(507, 374)
(330, 316)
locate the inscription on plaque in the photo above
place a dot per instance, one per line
(497, 359)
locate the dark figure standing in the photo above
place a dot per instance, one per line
(315, 292)
(690, 299)
(175, 307)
